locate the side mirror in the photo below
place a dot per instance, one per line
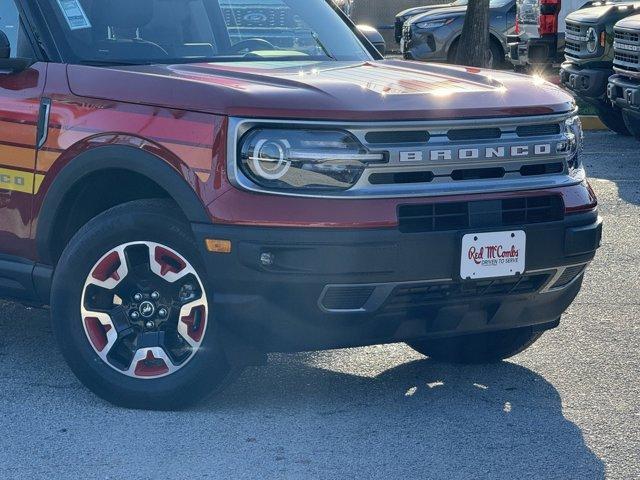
(5, 46)
(374, 37)
(10, 66)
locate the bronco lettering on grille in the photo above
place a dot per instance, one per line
(514, 151)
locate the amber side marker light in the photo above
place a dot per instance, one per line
(218, 246)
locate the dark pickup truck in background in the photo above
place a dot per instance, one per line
(589, 55)
(624, 87)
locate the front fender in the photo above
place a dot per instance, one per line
(179, 183)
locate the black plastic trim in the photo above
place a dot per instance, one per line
(24, 280)
(107, 158)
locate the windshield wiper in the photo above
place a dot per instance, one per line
(321, 45)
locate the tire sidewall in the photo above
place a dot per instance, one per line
(203, 372)
(632, 121)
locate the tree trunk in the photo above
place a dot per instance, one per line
(473, 46)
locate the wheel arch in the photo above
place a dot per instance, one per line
(493, 37)
(160, 179)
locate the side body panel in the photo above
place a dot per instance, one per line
(19, 108)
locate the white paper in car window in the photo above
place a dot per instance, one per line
(74, 14)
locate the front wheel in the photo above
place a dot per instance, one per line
(132, 311)
(612, 118)
(478, 348)
(495, 58)
(632, 121)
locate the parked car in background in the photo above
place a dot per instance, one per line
(434, 35)
(588, 51)
(345, 5)
(538, 39)
(405, 15)
(624, 87)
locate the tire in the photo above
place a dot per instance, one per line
(496, 60)
(478, 348)
(497, 56)
(453, 53)
(141, 245)
(632, 121)
(612, 118)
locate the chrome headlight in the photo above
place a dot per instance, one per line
(575, 140)
(294, 159)
(592, 40)
(434, 23)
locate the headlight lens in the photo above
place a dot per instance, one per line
(293, 159)
(434, 23)
(592, 40)
(575, 140)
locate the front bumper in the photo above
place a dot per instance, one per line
(624, 92)
(585, 82)
(533, 51)
(426, 45)
(293, 289)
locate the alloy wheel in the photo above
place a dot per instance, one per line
(144, 310)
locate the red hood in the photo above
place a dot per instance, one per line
(386, 90)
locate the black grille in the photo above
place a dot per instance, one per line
(477, 173)
(403, 136)
(439, 217)
(258, 17)
(626, 57)
(538, 130)
(474, 134)
(406, 297)
(406, 33)
(628, 36)
(568, 276)
(541, 169)
(572, 46)
(346, 298)
(400, 177)
(573, 28)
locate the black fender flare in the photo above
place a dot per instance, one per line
(111, 157)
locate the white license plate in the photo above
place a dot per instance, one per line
(493, 254)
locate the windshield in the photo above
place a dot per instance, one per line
(181, 31)
(498, 3)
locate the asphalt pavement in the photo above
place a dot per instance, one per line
(567, 408)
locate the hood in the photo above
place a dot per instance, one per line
(438, 13)
(595, 14)
(410, 12)
(630, 22)
(384, 90)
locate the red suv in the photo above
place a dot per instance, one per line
(187, 198)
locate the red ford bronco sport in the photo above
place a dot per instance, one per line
(190, 184)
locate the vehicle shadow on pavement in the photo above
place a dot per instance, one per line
(379, 412)
(423, 418)
(614, 158)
